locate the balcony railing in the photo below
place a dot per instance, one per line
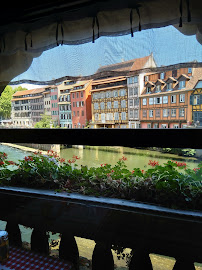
(144, 228)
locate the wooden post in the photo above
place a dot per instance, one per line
(39, 242)
(68, 249)
(102, 257)
(140, 260)
(183, 263)
(14, 234)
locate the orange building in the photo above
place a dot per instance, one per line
(165, 99)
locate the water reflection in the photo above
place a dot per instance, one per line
(100, 155)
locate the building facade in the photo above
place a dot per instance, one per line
(47, 101)
(37, 104)
(165, 100)
(65, 113)
(54, 105)
(135, 84)
(110, 103)
(27, 107)
(80, 97)
(21, 109)
(196, 103)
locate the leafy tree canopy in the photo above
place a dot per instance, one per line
(5, 100)
(46, 122)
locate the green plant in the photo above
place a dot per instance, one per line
(172, 184)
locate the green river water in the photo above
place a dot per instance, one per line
(95, 157)
(136, 158)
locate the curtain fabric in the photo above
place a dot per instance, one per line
(21, 42)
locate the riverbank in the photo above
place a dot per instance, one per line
(139, 152)
(113, 149)
(23, 148)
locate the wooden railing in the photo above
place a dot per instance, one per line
(144, 228)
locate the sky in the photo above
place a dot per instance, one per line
(168, 45)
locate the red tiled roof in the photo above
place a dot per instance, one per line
(27, 92)
(130, 65)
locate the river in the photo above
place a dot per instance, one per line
(136, 158)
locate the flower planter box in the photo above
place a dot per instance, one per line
(130, 224)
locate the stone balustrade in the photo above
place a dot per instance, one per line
(144, 228)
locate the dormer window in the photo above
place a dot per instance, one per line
(158, 88)
(148, 89)
(182, 84)
(169, 86)
(162, 75)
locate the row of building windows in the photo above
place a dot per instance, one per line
(37, 107)
(64, 116)
(36, 113)
(133, 114)
(109, 94)
(133, 102)
(23, 114)
(132, 80)
(65, 107)
(64, 98)
(132, 91)
(54, 113)
(109, 104)
(54, 97)
(166, 113)
(164, 99)
(77, 94)
(78, 113)
(21, 108)
(78, 104)
(110, 116)
(36, 100)
(169, 87)
(54, 105)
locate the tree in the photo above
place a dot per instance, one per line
(5, 100)
(46, 122)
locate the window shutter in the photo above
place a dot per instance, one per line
(200, 99)
(160, 100)
(192, 100)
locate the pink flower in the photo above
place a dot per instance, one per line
(10, 162)
(196, 169)
(123, 158)
(153, 163)
(29, 158)
(75, 157)
(112, 171)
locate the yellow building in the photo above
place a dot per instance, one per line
(196, 102)
(110, 103)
